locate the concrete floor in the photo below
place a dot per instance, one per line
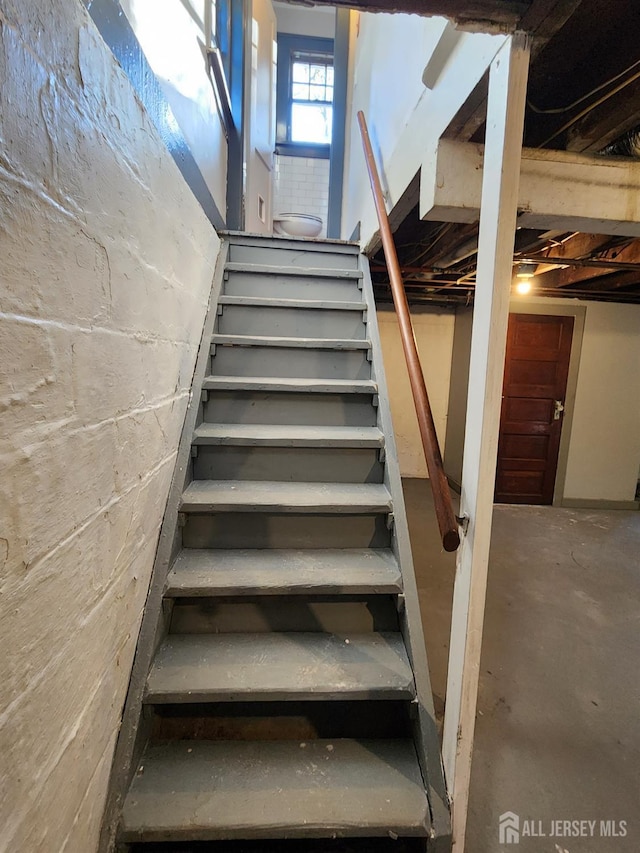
(558, 725)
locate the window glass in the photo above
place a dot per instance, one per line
(311, 97)
(311, 123)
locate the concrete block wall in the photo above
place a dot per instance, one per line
(302, 186)
(106, 273)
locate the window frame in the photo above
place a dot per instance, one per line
(288, 44)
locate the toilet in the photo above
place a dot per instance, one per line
(297, 224)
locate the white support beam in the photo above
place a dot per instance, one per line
(505, 121)
(559, 190)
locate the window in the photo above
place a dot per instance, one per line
(311, 98)
(304, 95)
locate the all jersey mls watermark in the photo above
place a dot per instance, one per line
(512, 828)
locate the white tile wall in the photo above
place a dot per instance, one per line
(302, 186)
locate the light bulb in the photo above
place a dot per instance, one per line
(523, 287)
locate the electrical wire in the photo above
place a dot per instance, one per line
(576, 103)
(590, 108)
(444, 229)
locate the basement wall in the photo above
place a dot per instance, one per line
(457, 407)
(604, 451)
(107, 266)
(434, 330)
(405, 118)
(603, 430)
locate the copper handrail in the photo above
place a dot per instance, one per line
(439, 485)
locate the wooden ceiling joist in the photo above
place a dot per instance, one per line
(608, 122)
(580, 275)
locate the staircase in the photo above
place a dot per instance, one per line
(280, 694)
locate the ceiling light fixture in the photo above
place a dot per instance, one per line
(524, 276)
(526, 271)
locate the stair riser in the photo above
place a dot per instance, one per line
(271, 530)
(281, 613)
(292, 720)
(311, 464)
(234, 407)
(290, 362)
(292, 287)
(290, 322)
(305, 258)
(292, 845)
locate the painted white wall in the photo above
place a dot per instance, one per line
(102, 300)
(405, 118)
(319, 21)
(604, 444)
(434, 337)
(171, 41)
(604, 451)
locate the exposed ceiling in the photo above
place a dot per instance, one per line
(484, 15)
(584, 96)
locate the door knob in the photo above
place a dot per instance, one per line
(558, 409)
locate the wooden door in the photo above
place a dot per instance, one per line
(535, 385)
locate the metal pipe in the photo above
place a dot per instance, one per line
(439, 485)
(581, 262)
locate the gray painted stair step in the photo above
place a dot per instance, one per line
(211, 790)
(300, 272)
(273, 302)
(266, 667)
(284, 435)
(273, 496)
(302, 385)
(352, 571)
(244, 238)
(301, 343)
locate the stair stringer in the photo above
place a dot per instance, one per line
(134, 727)
(425, 731)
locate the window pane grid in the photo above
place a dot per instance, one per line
(312, 81)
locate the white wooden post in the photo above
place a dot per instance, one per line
(503, 147)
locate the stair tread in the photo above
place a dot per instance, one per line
(264, 495)
(276, 302)
(300, 272)
(208, 790)
(284, 435)
(302, 343)
(278, 666)
(271, 571)
(295, 384)
(248, 238)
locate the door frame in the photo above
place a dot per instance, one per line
(560, 308)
